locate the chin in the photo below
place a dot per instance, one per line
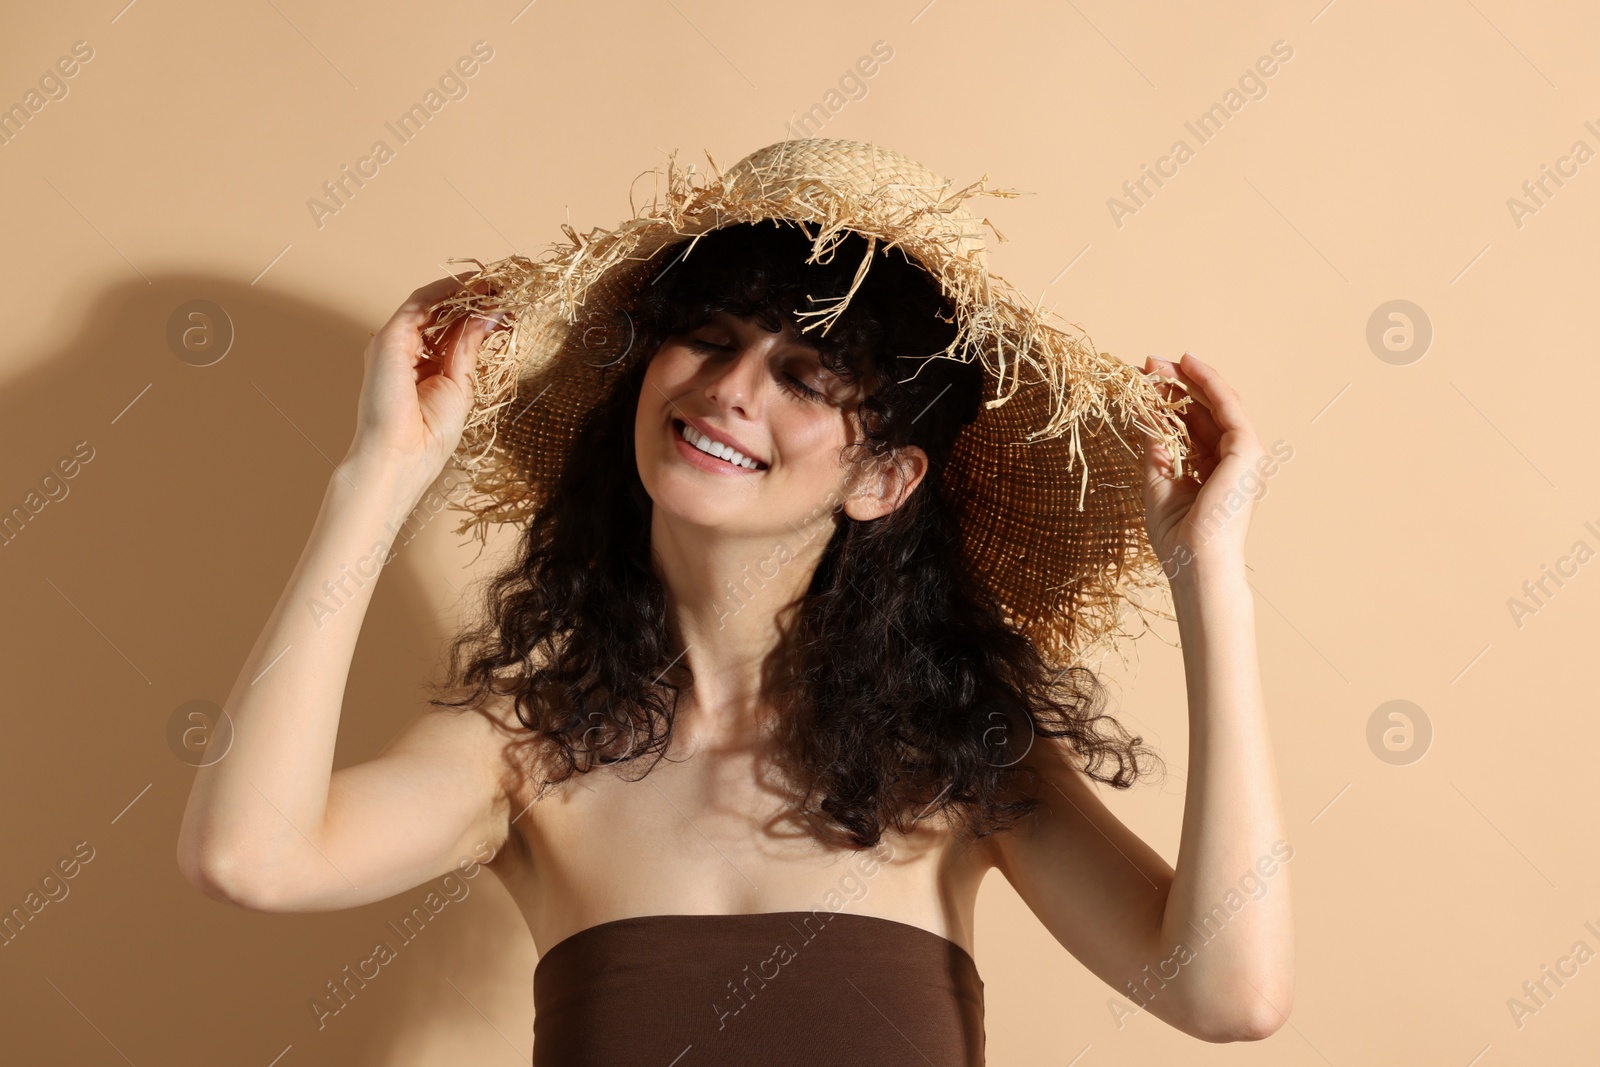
(684, 495)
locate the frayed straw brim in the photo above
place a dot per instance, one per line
(1046, 480)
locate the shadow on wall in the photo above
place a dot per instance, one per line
(163, 505)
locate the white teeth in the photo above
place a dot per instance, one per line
(713, 448)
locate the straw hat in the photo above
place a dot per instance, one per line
(1046, 480)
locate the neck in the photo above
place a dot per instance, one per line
(727, 597)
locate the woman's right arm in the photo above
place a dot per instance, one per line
(271, 825)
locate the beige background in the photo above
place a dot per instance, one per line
(1419, 499)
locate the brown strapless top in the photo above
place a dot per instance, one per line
(779, 989)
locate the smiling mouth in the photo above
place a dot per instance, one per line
(701, 443)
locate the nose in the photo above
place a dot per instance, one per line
(734, 379)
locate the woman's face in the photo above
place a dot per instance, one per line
(768, 396)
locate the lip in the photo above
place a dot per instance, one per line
(704, 460)
(722, 438)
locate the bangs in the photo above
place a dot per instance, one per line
(758, 272)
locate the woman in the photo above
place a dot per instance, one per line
(750, 724)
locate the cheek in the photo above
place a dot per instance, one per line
(670, 368)
(647, 414)
(651, 383)
(661, 379)
(670, 375)
(810, 443)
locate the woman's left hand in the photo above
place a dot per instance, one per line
(1189, 523)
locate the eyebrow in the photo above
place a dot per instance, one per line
(723, 317)
(848, 381)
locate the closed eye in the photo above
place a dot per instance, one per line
(796, 386)
(787, 381)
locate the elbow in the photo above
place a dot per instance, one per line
(225, 879)
(1257, 1013)
(1252, 1026)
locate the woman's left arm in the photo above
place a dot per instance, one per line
(1228, 903)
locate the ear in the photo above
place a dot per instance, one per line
(885, 484)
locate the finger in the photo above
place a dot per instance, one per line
(1166, 389)
(418, 308)
(1167, 381)
(1157, 461)
(437, 290)
(1227, 407)
(1157, 464)
(1198, 428)
(1183, 380)
(1205, 434)
(1197, 416)
(460, 347)
(464, 356)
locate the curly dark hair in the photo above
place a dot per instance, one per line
(898, 689)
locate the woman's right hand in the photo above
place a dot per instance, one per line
(413, 407)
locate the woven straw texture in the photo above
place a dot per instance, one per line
(1046, 480)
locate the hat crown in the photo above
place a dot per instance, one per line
(805, 176)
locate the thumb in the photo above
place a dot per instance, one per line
(464, 356)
